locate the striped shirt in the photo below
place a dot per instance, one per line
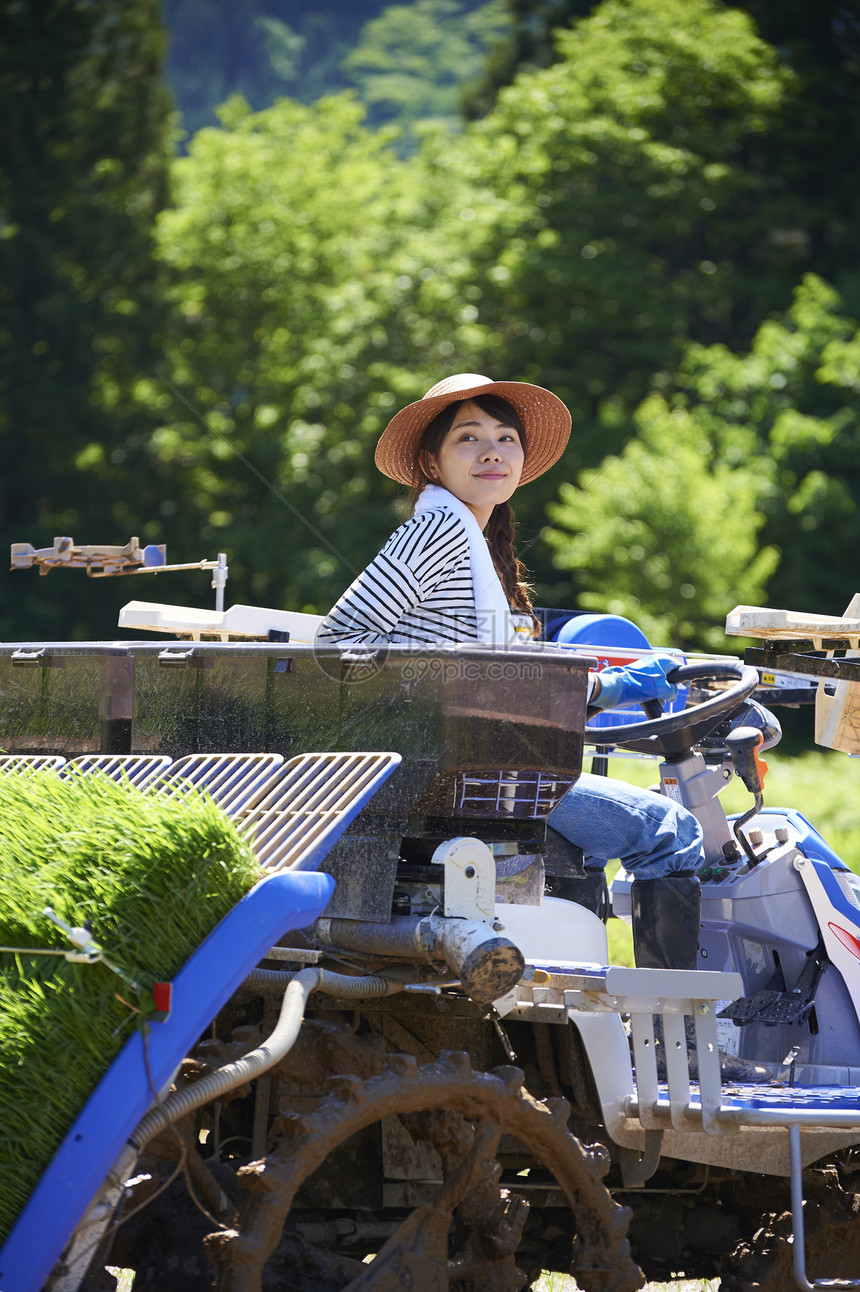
(417, 591)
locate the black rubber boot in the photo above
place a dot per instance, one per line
(561, 857)
(666, 913)
(666, 916)
(589, 890)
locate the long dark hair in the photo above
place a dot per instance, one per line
(501, 530)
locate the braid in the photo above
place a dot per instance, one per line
(512, 573)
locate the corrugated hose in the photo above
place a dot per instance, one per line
(215, 1084)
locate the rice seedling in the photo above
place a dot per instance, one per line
(150, 877)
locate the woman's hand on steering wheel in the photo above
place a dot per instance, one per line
(642, 681)
(674, 733)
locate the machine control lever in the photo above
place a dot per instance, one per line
(743, 745)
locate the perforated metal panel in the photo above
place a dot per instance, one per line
(314, 799)
(237, 782)
(138, 769)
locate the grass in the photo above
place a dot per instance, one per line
(153, 876)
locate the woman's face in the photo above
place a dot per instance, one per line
(480, 460)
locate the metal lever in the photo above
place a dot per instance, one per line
(743, 745)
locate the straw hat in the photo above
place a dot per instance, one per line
(545, 419)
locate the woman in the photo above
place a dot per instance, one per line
(449, 574)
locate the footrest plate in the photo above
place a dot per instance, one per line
(769, 1007)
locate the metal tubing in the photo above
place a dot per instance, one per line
(797, 1210)
(811, 1119)
(400, 938)
(488, 966)
(797, 1223)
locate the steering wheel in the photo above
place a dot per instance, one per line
(674, 734)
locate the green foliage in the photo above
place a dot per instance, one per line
(154, 876)
(817, 129)
(615, 201)
(795, 394)
(609, 168)
(280, 253)
(663, 175)
(260, 50)
(83, 170)
(529, 45)
(747, 491)
(822, 784)
(413, 60)
(666, 533)
(804, 148)
(408, 60)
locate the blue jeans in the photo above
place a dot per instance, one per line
(651, 835)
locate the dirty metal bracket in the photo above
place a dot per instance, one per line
(469, 870)
(636, 1167)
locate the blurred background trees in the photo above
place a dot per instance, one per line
(84, 158)
(414, 61)
(209, 315)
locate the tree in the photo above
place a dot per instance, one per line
(529, 45)
(667, 532)
(260, 50)
(796, 391)
(817, 129)
(220, 49)
(616, 211)
(286, 278)
(744, 489)
(413, 60)
(804, 147)
(83, 169)
(608, 210)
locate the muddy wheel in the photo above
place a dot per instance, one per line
(467, 1238)
(831, 1233)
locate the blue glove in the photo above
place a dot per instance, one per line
(644, 679)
